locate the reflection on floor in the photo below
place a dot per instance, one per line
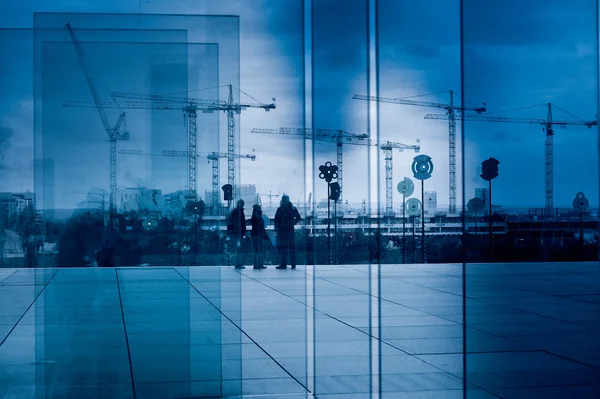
(533, 330)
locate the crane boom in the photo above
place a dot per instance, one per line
(177, 153)
(161, 98)
(547, 124)
(404, 101)
(230, 107)
(220, 104)
(531, 121)
(167, 106)
(112, 132)
(328, 135)
(341, 137)
(451, 108)
(90, 81)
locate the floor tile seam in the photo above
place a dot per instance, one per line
(402, 305)
(338, 319)
(242, 378)
(368, 334)
(540, 350)
(414, 284)
(546, 386)
(478, 352)
(243, 332)
(479, 280)
(509, 306)
(126, 337)
(1, 281)
(22, 285)
(27, 310)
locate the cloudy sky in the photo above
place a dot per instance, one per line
(515, 54)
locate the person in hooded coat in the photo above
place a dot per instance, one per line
(286, 217)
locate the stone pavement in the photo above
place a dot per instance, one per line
(532, 330)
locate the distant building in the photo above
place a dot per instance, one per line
(12, 205)
(44, 186)
(430, 201)
(141, 199)
(247, 192)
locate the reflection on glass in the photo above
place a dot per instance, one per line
(530, 238)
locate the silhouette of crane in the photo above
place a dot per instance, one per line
(451, 109)
(115, 132)
(547, 126)
(271, 196)
(341, 137)
(388, 148)
(230, 107)
(213, 157)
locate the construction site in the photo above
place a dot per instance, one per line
(178, 157)
(362, 199)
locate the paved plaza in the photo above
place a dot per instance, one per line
(532, 330)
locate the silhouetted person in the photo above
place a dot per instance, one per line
(108, 254)
(286, 217)
(259, 235)
(236, 226)
(30, 247)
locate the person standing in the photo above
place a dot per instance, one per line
(236, 227)
(286, 217)
(259, 235)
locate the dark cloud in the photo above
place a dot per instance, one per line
(533, 22)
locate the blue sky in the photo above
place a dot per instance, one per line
(516, 54)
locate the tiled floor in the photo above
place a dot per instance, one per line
(533, 330)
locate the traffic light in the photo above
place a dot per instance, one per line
(228, 192)
(334, 191)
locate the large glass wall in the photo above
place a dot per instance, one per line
(273, 312)
(344, 239)
(420, 293)
(453, 253)
(532, 270)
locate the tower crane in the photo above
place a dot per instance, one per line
(388, 148)
(451, 109)
(271, 196)
(547, 126)
(204, 106)
(230, 107)
(341, 137)
(115, 133)
(213, 157)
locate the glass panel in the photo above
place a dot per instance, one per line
(531, 279)
(191, 326)
(421, 306)
(141, 292)
(343, 237)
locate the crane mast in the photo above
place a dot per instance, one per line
(230, 140)
(549, 159)
(341, 137)
(230, 107)
(213, 157)
(190, 110)
(387, 149)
